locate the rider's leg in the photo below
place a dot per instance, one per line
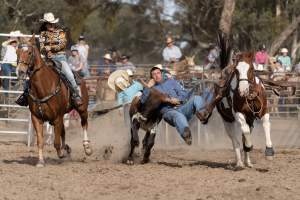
(177, 119)
(66, 70)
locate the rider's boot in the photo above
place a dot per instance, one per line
(76, 99)
(23, 98)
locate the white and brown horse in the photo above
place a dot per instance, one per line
(245, 101)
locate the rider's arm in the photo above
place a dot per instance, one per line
(182, 94)
(62, 41)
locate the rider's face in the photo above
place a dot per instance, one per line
(50, 27)
(156, 75)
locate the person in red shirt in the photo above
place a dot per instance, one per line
(261, 58)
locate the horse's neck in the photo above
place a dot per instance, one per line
(44, 78)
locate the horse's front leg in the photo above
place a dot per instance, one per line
(58, 129)
(231, 132)
(269, 152)
(38, 126)
(247, 143)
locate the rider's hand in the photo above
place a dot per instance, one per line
(174, 101)
(47, 48)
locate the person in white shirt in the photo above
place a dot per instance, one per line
(171, 53)
(9, 60)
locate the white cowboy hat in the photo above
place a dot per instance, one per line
(107, 56)
(49, 17)
(15, 33)
(119, 78)
(129, 72)
(284, 50)
(74, 48)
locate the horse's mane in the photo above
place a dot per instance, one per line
(223, 43)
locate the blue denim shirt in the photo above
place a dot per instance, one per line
(129, 93)
(173, 88)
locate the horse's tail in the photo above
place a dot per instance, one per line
(225, 49)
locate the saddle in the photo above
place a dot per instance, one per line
(57, 67)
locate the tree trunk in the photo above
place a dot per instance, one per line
(284, 35)
(226, 17)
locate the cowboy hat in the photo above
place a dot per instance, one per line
(158, 66)
(118, 78)
(13, 36)
(107, 56)
(74, 48)
(129, 72)
(284, 50)
(49, 17)
(125, 57)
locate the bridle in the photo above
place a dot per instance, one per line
(29, 62)
(251, 96)
(31, 72)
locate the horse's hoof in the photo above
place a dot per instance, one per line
(239, 165)
(145, 161)
(40, 164)
(87, 148)
(250, 165)
(269, 152)
(129, 162)
(270, 158)
(88, 151)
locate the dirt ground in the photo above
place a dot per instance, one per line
(175, 172)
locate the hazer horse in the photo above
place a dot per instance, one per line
(244, 101)
(49, 99)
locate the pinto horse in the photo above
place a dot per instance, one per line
(243, 100)
(49, 99)
(249, 102)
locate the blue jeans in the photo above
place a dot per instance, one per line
(66, 69)
(180, 116)
(7, 69)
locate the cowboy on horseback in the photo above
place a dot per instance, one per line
(52, 45)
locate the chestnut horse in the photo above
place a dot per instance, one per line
(49, 99)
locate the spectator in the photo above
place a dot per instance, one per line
(77, 62)
(278, 71)
(83, 47)
(9, 48)
(171, 53)
(115, 55)
(285, 60)
(121, 82)
(261, 58)
(212, 58)
(126, 64)
(107, 66)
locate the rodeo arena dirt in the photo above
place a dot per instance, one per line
(205, 170)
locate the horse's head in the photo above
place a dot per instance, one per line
(244, 72)
(190, 60)
(25, 54)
